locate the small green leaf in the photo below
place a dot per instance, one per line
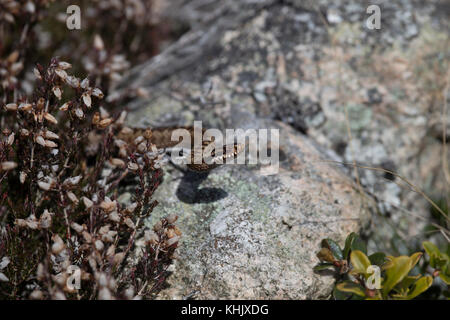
(420, 286)
(415, 258)
(359, 261)
(323, 266)
(407, 282)
(377, 258)
(359, 244)
(395, 273)
(349, 286)
(348, 244)
(445, 277)
(432, 251)
(325, 254)
(333, 247)
(341, 295)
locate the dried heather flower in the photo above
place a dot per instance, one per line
(158, 226)
(108, 205)
(130, 208)
(37, 73)
(50, 135)
(138, 140)
(142, 147)
(118, 258)
(72, 81)
(44, 185)
(72, 197)
(3, 278)
(64, 65)
(87, 236)
(40, 140)
(40, 103)
(11, 107)
(37, 295)
(133, 166)
(87, 202)
(73, 180)
(111, 250)
(79, 113)
(172, 218)
(8, 165)
(87, 99)
(114, 216)
(22, 177)
(10, 139)
(45, 221)
(61, 73)
(116, 162)
(99, 246)
(119, 143)
(85, 84)
(50, 144)
(58, 295)
(129, 223)
(50, 118)
(75, 226)
(126, 131)
(104, 123)
(151, 237)
(25, 107)
(64, 107)
(57, 92)
(104, 294)
(96, 92)
(4, 263)
(98, 43)
(172, 241)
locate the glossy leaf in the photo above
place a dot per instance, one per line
(334, 248)
(359, 244)
(396, 272)
(377, 258)
(325, 254)
(445, 277)
(407, 282)
(349, 286)
(341, 295)
(420, 286)
(323, 266)
(359, 261)
(415, 258)
(432, 251)
(348, 244)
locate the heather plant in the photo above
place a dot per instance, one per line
(62, 170)
(113, 36)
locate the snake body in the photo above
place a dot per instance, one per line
(162, 139)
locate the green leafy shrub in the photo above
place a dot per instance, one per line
(379, 276)
(439, 261)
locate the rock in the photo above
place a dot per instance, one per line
(245, 65)
(250, 236)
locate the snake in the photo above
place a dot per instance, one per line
(161, 138)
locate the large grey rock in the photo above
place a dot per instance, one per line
(253, 236)
(280, 60)
(249, 236)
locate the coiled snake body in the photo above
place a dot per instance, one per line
(162, 139)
